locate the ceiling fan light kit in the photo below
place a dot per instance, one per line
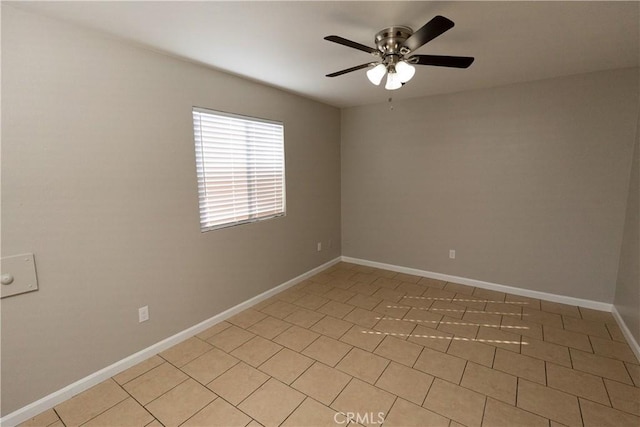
(376, 74)
(393, 81)
(405, 71)
(393, 45)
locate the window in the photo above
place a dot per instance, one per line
(240, 164)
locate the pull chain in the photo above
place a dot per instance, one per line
(390, 103)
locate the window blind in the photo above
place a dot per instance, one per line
(240, 167)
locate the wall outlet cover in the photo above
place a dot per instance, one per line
(143, 314)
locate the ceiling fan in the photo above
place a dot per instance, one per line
(393, 46)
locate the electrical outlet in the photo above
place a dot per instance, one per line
(143, 314)
(452, 253)
(319, 246)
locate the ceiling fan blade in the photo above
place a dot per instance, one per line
(348, 70)
(349, 43)
(428, 32)
(442, 61)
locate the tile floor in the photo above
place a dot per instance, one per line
(389, 348)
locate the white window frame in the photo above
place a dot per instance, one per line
(240, 166)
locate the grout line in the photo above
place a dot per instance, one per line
(340, 392)
(59, 417)
(546, 373)
(298, 405)
(353, 347)
(629, 373)
(305, 370)
(141, 374)
(175, 386)
(466, 363)
(428, 390)
(485, 285)
(580, 410)
(110, 407)
(254, 391)
(382, 373)
(137, 401)
(593, 351)
(392, 405)
(149, 412)
(201, 409)
(604, 383)
(237, 408)
(608, 331)
(484, 407)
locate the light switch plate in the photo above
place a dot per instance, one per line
(22, 269)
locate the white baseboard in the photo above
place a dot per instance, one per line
(57, 397)
(596, 305)
(626, 332)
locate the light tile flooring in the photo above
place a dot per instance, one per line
(380, 347)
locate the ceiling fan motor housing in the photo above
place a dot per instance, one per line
(390, 43)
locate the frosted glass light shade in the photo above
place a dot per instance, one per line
(405, 71)
(376, 74)
(393, 82)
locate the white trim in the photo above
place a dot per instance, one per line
(596, 305)
(31, 410)
(626, 332)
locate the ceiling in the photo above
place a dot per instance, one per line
(281, 43)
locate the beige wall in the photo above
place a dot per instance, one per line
(99, 181)
(527, 182)
(627, 298)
